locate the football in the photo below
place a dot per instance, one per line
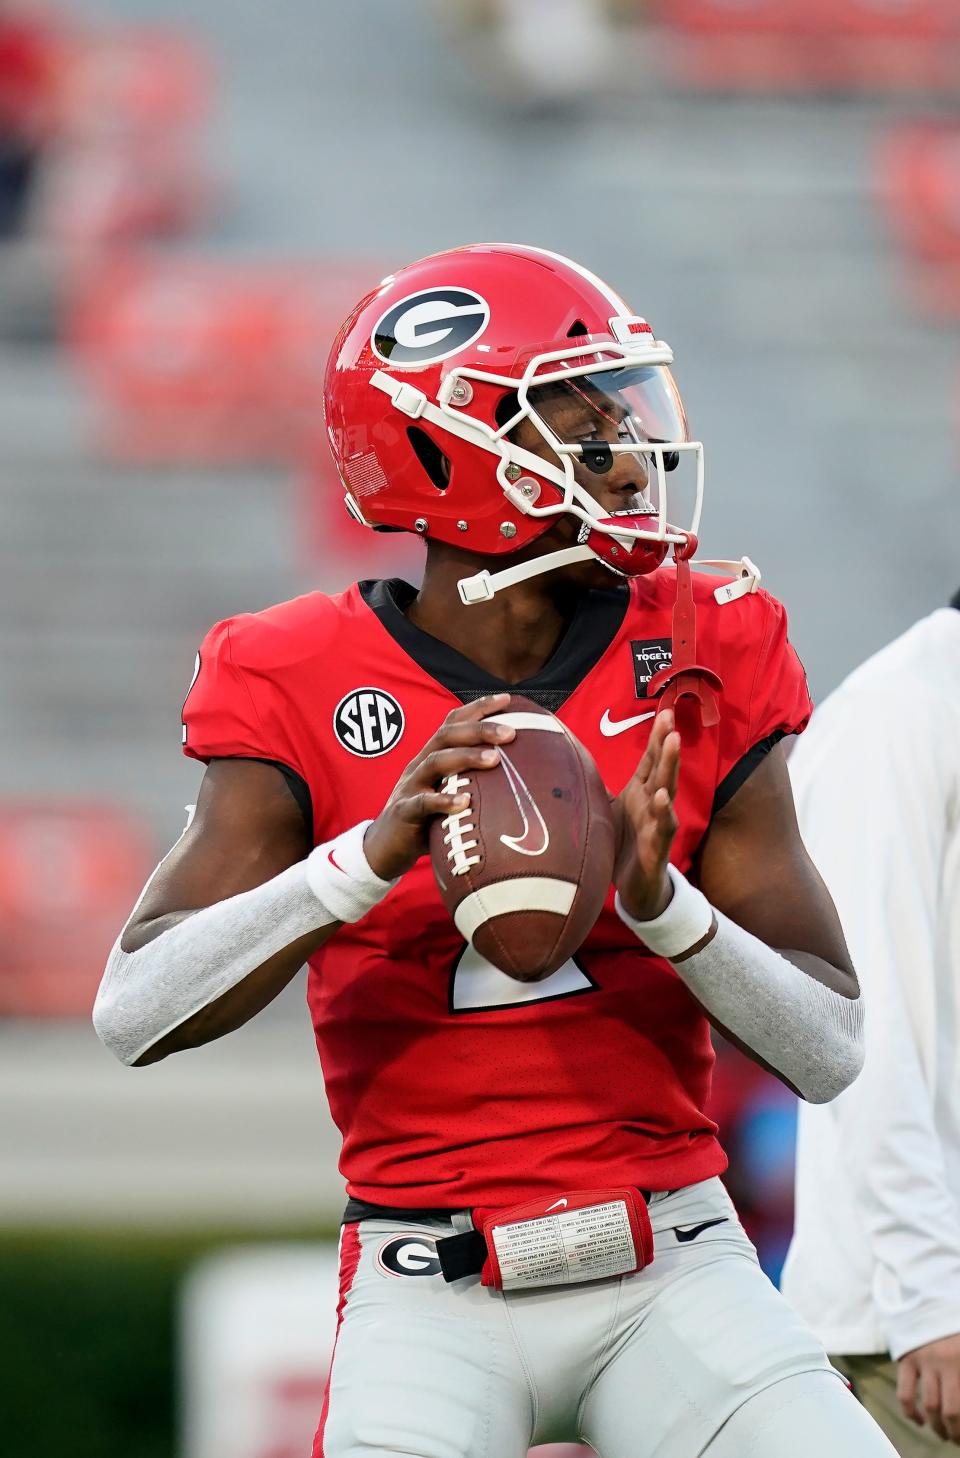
(525, 869)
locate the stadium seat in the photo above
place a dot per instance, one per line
(801, 45)
(920, 186)
(209, 360)
(918, 183)
(821, 19)
(124, 191)
(69, 876)
(749, 17)
(29, 72)
(132, 79)
(128, 164)
(903, 20)
(28, 95)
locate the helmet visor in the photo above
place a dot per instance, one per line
(627, 406)
(593, 412)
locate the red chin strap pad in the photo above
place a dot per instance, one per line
(686, 678)
(635, 560)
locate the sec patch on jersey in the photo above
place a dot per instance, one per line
(368, 722)
(525, 869)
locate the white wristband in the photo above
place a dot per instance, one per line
(339, 875)
(685, 922)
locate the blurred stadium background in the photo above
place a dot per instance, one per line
(191, 194)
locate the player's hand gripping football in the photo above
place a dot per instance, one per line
(647, 824)
(400, 834)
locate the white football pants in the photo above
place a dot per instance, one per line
(698, 1356)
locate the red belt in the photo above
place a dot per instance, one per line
(558, 1240)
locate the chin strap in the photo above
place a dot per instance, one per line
(686, 678)
(746, 574)
(483, 586)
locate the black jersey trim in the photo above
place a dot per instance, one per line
(744, 768)
(594, 626)
(296, 784)
(364, 1210)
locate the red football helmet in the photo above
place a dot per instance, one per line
(433, 371)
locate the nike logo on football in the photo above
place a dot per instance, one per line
(693, 1231)
(609, 727)
(561, 1204)
(534, 837)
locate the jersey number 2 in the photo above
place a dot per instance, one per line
(478, 986)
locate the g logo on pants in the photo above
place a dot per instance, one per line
(409, 1255)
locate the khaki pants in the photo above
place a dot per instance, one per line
(874, 1381)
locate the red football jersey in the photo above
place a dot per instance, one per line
(452, 1084)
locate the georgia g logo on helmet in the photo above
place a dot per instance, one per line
(429, 326)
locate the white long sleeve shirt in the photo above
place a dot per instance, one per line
(875, 1261)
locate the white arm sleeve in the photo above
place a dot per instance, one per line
(874, 791)
(145, 994)
(810, 1034)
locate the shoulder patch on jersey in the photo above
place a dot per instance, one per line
(650, 655)
(368, 722)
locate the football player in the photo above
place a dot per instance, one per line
(536, 1237)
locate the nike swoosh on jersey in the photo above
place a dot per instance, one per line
(693, 1231)
(609, 727)
(562, 1203)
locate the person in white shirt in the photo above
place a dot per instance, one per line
(875, 1260)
